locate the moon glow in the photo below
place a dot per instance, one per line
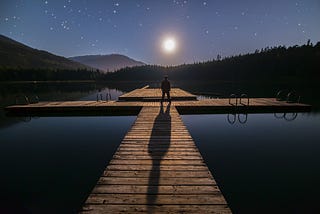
(169, 45)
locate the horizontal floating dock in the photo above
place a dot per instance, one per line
(131, 103)
(207, 106)
(156, 169)
(154, 94)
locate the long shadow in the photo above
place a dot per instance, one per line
(158, 146)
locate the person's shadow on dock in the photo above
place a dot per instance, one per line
(158, 146)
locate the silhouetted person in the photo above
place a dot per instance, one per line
(165, 87)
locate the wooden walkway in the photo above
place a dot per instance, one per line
(132, 102)
(154, 94)
(157, 169)
(74, 108)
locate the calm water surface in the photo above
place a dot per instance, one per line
(51, 164)
(262, 164)
(266, 165)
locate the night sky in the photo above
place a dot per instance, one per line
(137, 28)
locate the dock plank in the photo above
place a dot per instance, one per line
(172, 209)
(154, 94)
(170, 199)
(163, 189)
(148, 174)
(210, 106)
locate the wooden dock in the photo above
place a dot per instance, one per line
(132, 102)
(154, 94)
(157, 169)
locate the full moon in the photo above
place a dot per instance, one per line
(169, 45)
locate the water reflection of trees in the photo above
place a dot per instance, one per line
(10, 93)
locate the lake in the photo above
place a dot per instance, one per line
(262, 162)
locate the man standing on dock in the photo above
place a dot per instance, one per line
(165, 87)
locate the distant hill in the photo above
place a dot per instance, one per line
(15, 55)
(106, 63)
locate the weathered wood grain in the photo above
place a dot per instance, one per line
(132, 102)
(172, 209)
(169, 189)
(154, 94)
(156, 173)
(170, 199)
(156, 169)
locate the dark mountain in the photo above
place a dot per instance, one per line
(15, 55)
(106, 63)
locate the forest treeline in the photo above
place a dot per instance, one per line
(268, 64)
(49, 74)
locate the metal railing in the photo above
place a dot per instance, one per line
(293, 97)
(233, 96)
(22, 99)
(281, 95)
(107, 97)
(288, 96)
(243, 96)
(33, 99)
(25, 100)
